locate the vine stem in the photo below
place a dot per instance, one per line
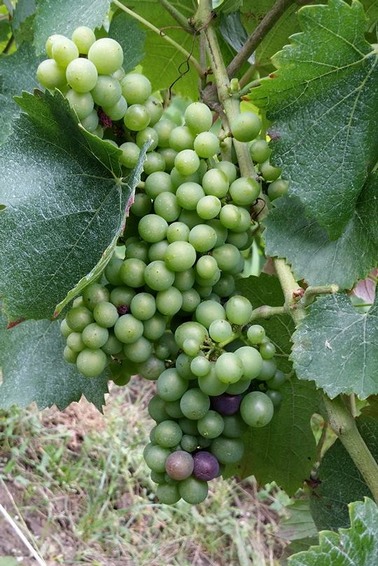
(266, 311)
(344, 426)
(291, 289)
(162, 34)
(177, 15)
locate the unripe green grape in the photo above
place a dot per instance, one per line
(112, 346)
(158, 182)
(91, 362)
(78, 318)
(191, 347)
(190, 330)
(269, 172)
(82, 103)
(234, 426)
(130, 154)
(154, 327)
(178, 179)
(154, 108)
(202, 237)
(156, 409)
(246, 126)
(64, 51)
(208, 311)
(220, 330)
(83, 37)
(275, 397)
(152, 228)
(148, 135)
(227, 450)
(117, 110)
(183, 363)
(193, 491)
(200, 366)
(225, 286)
(105, 314)
(69, 355)
(278, 189)
(187, 162)
(206, 267)
(128, 329)
(228, 368)
(251, 360)
(198, 117)
(268, 370)
(121, 296)
(278, 380)
(65, 330)
(169, 301)
(157, 250)
(203, 290)
(238, 310)
(195, 404)
(168, 494)
(119, 74)
(208, 207)
(151, 368)
(154, 162)
(188, 194)
(49, 42)
(181, 138)
(94, 336)
(155, 457)
(157, 276)
(173, 410)
(190, 218)
(142, 205)
(136, 117)
(210, 384)
(211, 425)
(112, 270)
(166, 205)
(170, 386)
(136, 88)
(81, 75)
(227, 257)
(256, 334)
(220, 231)
(106, 54)
(167, 434)
(240, 240)
(230, 216)
(75, 342)
(143, 306)
(184, 280)
(206, 144)
(132, 272)
(164, 128)
(178, 232)
(267, 350)
(107, 91)
(50, 75)
(215, 182)
(260, 151)
(229, 169)
(189, 443)
(139, 351)
(180, 256)
(244, 191)
(90, 122)
(256, 409)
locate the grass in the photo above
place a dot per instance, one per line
(78, 484)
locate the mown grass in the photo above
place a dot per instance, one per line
(78, 481)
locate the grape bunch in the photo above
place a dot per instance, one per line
(166, 307)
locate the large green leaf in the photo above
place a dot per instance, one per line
(340, 482)
(323, 102)
(163, 63)
(33, 368)
(55, 16)
(336, 346)
(309, 250)
(283, 451)
(17, 73)
(64, 205)
(356, 546)
(23, 19)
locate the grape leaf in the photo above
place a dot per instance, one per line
(312, 255)
(163, 63)
(63, 205)
(285, 450)
(277, 452)
(357, 545)
(336, 346)
(22, 20)
(54, 16)
(323, 102)
(298, 523)
(31, 357)
(131, 37)
(340, 480)
(17, 73)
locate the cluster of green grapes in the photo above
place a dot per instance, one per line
(167, 307)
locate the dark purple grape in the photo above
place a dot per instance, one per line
(226, 404)
(206, 466)
(122, 309)
(179, 465)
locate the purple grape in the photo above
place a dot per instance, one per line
(122, 309)
(179, 465)
(206, 466)
(226, 404)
